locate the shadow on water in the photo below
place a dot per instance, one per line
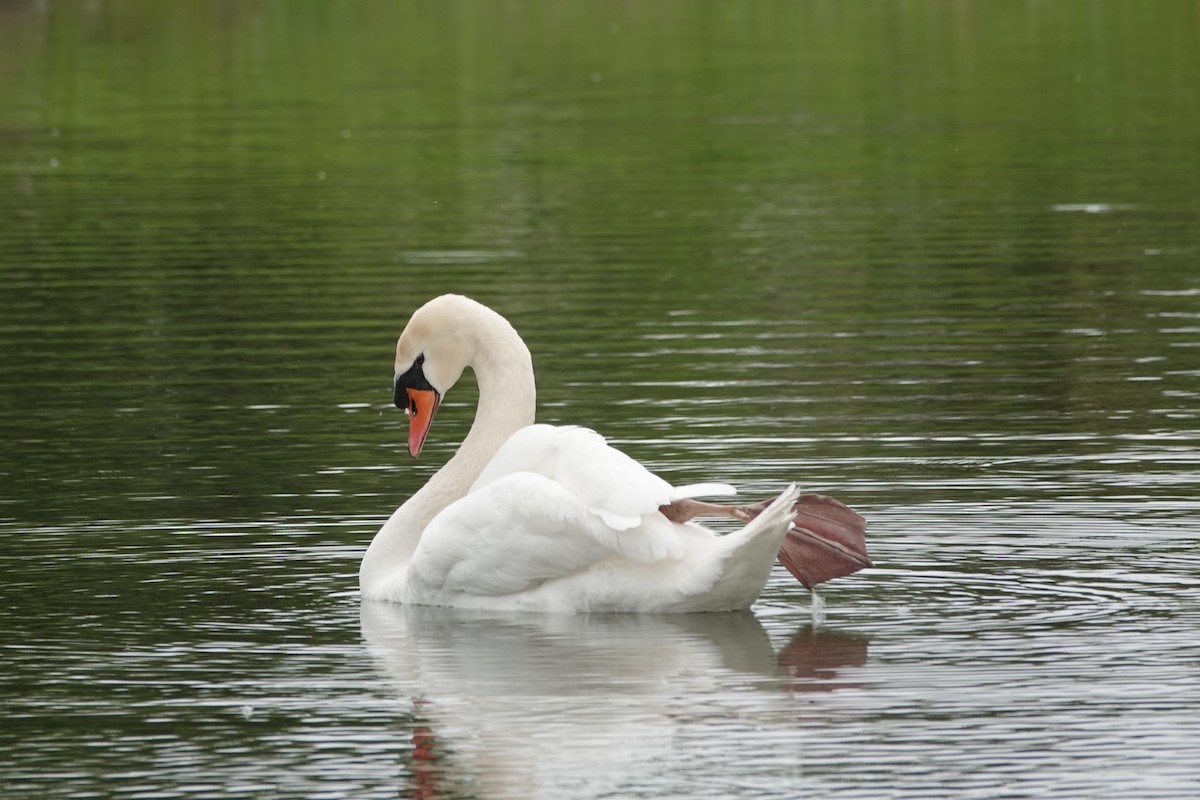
(521, 706)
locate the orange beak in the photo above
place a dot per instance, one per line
(422, 405)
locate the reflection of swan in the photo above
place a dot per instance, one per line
(560, 705)
(552, 518)
(813, 658)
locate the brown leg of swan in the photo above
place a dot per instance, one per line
(687, 509)
(827, 540)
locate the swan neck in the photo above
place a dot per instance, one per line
(507, 400)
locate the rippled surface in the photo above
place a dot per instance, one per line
(940, 262)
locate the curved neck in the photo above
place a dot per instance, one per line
(507, 401)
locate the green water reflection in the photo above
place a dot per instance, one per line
(220, 206)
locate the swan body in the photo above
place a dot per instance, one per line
(542, 517)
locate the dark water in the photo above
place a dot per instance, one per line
(941, 260)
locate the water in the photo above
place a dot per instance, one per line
(939, 261)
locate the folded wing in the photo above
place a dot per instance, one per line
(552, 502)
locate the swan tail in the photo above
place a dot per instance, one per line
(749, 553)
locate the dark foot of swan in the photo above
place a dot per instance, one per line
(827, 540)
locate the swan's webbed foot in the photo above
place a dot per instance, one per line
(827, 540)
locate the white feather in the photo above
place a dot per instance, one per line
(609, 483)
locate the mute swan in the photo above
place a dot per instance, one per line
(528, 516)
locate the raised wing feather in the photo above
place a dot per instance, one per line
(613, 486)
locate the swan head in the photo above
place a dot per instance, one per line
(433, 350)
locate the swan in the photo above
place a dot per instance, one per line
(552, 518)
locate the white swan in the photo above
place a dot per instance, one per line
(527, 516)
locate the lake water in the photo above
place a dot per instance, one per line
(940, 260)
